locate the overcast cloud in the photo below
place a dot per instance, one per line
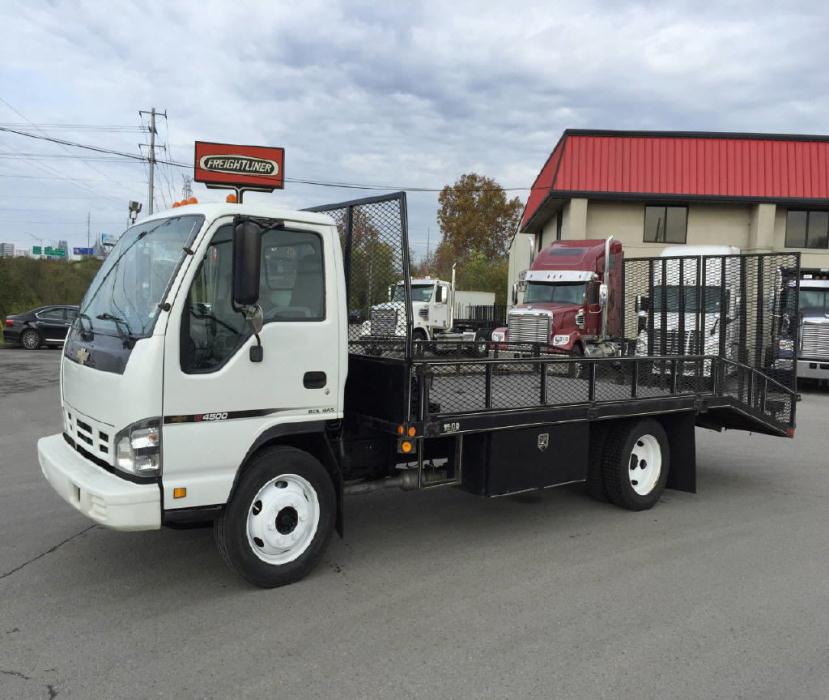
(389, 93)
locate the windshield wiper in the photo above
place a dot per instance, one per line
(120, 324)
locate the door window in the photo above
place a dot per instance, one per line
(292, 288)
(51, 315)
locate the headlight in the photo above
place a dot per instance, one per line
(786, 344)
(497, 336)
(138, 448)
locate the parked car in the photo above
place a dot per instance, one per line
(46, 325)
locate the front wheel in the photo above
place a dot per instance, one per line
(280, 518)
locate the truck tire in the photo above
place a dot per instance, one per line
(419, 339)
(635, 464)
(31, 339)
(279, 519)
(481, 346)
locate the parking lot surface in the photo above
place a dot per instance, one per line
(439, 594)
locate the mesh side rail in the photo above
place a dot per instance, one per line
(468, 386)
(452, 387)
(374, 238)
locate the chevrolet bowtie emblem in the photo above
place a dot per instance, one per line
(82, 355)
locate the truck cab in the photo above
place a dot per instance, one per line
(572, 299)
(436, 306)
(168, 381)
(813, 350)
(682, 290)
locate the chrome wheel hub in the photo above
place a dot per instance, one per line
(283, 519)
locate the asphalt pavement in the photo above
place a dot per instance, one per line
(719, 594)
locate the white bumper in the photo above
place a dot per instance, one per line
(105, 498)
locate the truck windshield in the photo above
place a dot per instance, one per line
(558, 292)
(814, 301)
(420, 292)
(710, 298)
(124, 295)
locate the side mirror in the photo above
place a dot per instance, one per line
(247, 251)
(440, 295)
(643, 304)
(602, 294)
(515, 293)
(390, 293)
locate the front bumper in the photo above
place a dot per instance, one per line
(99, 495)
(813, 369)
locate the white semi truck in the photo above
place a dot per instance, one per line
(441, 314)
(686, 302)
(228, 388)
(813, 350)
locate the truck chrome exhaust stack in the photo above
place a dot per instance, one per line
(604, 282)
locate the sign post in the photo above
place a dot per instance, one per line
(241, 168)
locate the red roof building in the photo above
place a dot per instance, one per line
(758, 192)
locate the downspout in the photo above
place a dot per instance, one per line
(606, 285)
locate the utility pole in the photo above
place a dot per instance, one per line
(151, 158)
(88, 226)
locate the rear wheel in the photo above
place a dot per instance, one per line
(30, 339)
(635, 464)
(280, 518)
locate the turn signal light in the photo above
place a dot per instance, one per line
(179, 492)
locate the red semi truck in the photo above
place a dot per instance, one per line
(572, 300)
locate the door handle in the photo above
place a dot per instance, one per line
(314, 380)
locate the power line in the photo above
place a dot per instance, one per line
(86, 187)
(74, 127)
(301, 181)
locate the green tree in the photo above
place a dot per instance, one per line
(475, 214)
(477, 221)
(26, 283)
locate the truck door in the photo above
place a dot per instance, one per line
(440, 307)
(217, 401)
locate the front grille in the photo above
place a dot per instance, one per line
(815, 340)
(529, 328)
(675, 345)
(88, 433)
(383, 321)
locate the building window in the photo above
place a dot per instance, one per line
(666, 224)
(807, 229)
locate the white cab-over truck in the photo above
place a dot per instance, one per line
(210, 377)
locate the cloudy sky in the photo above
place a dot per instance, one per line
(390, 94)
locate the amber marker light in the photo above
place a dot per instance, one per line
(179, 492)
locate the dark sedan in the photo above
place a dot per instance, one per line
(46, 325)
